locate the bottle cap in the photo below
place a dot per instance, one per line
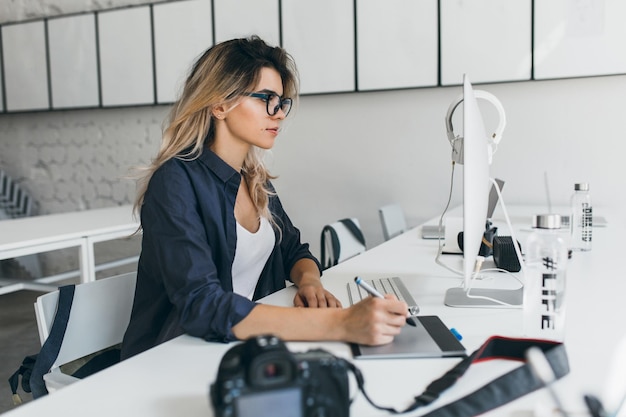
(547, 221)
(581, 186)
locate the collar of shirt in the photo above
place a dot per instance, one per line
(216, 164)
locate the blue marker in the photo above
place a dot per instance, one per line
(456, 334)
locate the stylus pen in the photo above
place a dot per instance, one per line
(373, 292)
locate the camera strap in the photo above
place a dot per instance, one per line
(514, 384)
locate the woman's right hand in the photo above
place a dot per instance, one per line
(375, 321)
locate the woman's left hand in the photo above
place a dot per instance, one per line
(311, 292)
(315, 296)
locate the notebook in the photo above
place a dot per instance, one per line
(429, 338)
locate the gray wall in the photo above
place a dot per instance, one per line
(339, 155)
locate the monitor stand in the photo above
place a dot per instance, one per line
(466, 296)
(458, 297)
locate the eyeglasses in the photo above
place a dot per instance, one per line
(273, 102)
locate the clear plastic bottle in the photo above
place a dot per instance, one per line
(581, 218)
(544, 286)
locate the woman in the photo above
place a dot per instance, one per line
(215, 235)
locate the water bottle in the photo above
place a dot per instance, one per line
(581, 218)
(544, 276)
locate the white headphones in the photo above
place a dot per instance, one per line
(456, 141)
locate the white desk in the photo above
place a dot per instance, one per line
(173, 379)
(82, 229)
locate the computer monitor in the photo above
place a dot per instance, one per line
(476, 188)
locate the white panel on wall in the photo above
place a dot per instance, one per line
(182, 32)
(260, 18)
(396, 44)
(73, 61)
(25, 66)
(1, 90)
(579, 38)
(320, 37)
(125, 39)
(490, 40)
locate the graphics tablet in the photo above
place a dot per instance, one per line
(429, 338)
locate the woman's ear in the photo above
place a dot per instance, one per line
(219, 112)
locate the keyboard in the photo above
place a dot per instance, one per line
(393, 285)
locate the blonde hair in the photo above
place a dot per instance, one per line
(219, 77)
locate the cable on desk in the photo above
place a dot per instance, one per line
(439, 237)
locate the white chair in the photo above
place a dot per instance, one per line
(340, 241)
(392, 220)
(98, 319)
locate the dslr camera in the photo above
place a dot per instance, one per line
(261, 377)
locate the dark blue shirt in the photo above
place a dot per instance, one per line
(184, 276)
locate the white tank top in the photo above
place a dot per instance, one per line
(252, 252)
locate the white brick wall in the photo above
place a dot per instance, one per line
(68, 161)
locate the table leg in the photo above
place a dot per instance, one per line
(87, 261)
